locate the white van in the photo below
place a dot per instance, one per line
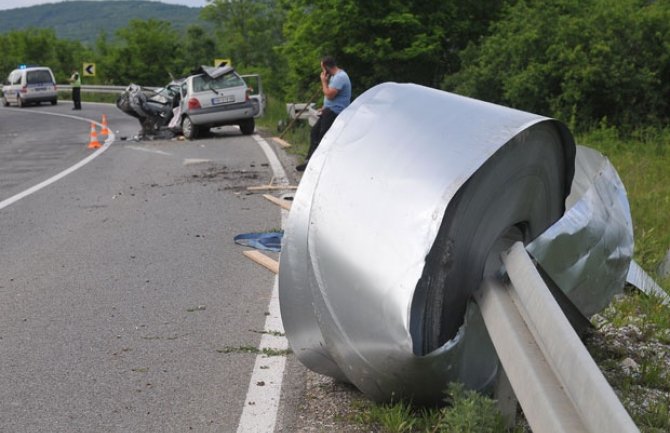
(30, 86)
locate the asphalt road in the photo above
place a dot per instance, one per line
(120, 284)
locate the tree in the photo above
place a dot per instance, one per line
(145, 53)
(28, 47)
(247, 30)
(587, 60)
(380, 40)
(40, 47)
(197, 48)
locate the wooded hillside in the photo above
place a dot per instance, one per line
(583, 61)
(84, 20)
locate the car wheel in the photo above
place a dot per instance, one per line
(54, 102)
(20, 102)
(247, 126)
(189, 130)
(5, 102)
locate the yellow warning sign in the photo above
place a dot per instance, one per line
(89, 70)
(222, 62)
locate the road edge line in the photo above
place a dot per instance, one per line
(261, 404)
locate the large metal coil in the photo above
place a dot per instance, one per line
(402, 211)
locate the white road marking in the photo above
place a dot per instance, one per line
(261, 404)
(277, 169)
(144, 149)
(108, 142)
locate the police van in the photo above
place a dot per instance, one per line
(30, 85)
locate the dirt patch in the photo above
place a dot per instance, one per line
(329, 406)
(234, 179)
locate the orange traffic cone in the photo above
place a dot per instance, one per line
(94, 143)
(104, 131)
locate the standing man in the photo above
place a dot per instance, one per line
(336, 89)
(75, 81)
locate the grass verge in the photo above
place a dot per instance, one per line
(466, 412)
(90, 97)
(297, 134)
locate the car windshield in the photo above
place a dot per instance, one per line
(37, 77)
(202, 83)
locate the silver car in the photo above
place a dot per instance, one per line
(216, 97)
(30, 86)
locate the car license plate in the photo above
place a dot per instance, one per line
(40, 89)
(223, 99)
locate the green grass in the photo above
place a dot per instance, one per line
(466, 412)
(643, 163)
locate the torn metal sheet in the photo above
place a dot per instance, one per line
(588, 252)
(640, 279)
(402, 210)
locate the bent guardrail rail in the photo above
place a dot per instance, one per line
(557, 383)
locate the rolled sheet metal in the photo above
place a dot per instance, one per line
(588, 252)
(402, 210)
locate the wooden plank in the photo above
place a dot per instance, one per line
(270, 187)
(263, 260)
(283, 143)
(279, 202)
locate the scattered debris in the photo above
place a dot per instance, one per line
(269, 241)
(251, 349)
(283, 143)
(282, 203)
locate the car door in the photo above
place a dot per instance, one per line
(255, 86)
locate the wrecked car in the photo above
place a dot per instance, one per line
(208, 98)
(155, 109)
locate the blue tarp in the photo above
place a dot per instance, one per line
(262, 241)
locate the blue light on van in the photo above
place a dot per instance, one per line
(22, 66)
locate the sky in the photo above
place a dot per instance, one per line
(11, 4)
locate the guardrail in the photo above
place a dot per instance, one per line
(557, 383)
(94, 88)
